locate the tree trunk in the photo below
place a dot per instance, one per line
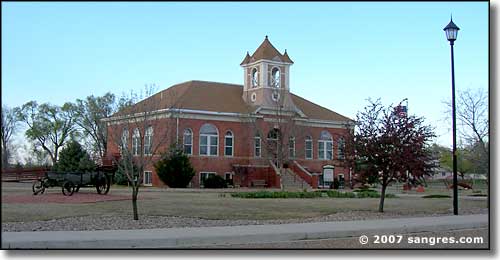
(135, 191)
(382, 198)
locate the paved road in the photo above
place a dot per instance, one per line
(353, 243)
(209, 236)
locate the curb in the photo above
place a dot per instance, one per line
(210, 236)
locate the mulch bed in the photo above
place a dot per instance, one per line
(76, 198)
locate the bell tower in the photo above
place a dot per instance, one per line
(267, 78)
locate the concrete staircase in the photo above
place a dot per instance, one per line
(292, 181)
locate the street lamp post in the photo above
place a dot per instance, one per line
(451, 34)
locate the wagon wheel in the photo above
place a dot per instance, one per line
(103, 185)
(38, 187)
(68, 188)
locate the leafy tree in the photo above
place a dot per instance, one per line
(74, 159)
(88, 114)
(390, 146)
(9, 126)
(175, 169)
(49, 126)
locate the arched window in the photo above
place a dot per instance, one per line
(325, 146)
(148, 141)
(255, 77)
(228, 144)
(341, 148)
(309, 147)
(291, 147)
(188, 141)
(124, 140)
(275, 77)
(136, 142)
(257, 146)
(209, 140)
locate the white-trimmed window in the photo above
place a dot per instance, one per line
(228, 144)
(255, 78)
(124, 140)
(204, 176)
(147, 179)
(148, 141)
(188, 141)
(309, 147)
(275, 77)
(325, 146)
(209, 140)
(341, 148)
(257, 146)
(136, 142)
(291, 147)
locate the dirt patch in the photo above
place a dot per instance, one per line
(76, 198)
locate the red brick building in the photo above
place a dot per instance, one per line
(243, 133)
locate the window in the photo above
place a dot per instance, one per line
(228, 144)
(253, 97)
(147, 179)
(341, 149)
(188, 141)
(148, 141)
(275, 78)
(124, 144)
(325, 146)
(136, 142)
(209, 140)
(257, 146)
(228, 176)
(204, 176)
(291, 147)
(255, 77)
(309, 147)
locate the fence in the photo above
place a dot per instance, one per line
(23, 174)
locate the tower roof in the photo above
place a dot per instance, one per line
(266, 51)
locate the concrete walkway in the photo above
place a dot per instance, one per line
(204, 236)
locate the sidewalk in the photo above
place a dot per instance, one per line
(188, 237)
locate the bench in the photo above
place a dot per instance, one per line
(258, 183)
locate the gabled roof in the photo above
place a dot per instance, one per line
(219, 97)
(266, 51)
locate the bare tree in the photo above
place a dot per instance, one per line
(150, 131)
(472, 116)
(9, 126)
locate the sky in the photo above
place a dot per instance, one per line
(343, 52)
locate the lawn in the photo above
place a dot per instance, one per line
(219, 205)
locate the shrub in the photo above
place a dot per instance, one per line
(315, 194)
(73, 158)
(174, 169)
(214, 182)
(338, 194)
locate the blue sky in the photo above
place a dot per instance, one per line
(344, 53)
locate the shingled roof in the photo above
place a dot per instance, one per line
(219, 97)
(266, 51)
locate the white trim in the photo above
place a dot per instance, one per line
(274, 62)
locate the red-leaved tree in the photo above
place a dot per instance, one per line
(390, 147)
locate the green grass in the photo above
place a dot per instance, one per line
(436, 196)
(315, 194)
